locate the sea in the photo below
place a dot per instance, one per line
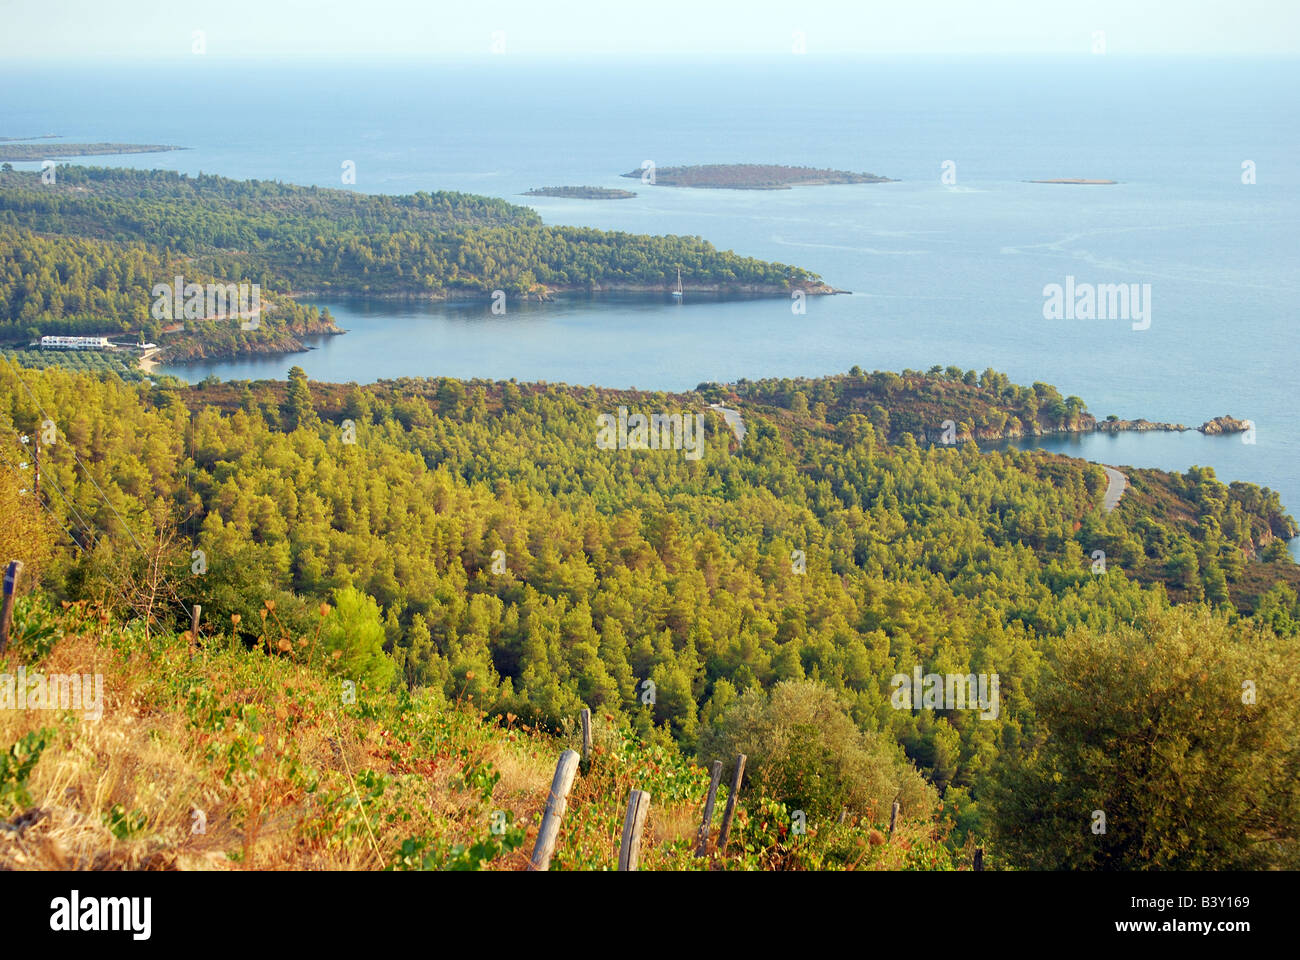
(948, 265)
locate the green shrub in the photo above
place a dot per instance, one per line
(16, 765)
(418, 853)
(803, 749)
(34, 630)
(1170, 744)
(354, 632)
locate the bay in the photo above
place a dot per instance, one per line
(946, 273)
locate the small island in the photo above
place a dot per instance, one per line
(39, 151)
(1224, 425)
(581, 193)
(1077, 180)
(751, 176)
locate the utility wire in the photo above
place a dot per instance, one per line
(145, 553)
(46, 508)
(84, 468)
(75, 515)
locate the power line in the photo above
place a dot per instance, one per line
(46, 508)
(145, 553)
(72, 449)
(75, 515)
(93, 540)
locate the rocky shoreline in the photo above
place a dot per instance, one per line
(1139, 425)
(1219, 426)
(190, 348)
(1224, 424)
(544, 293)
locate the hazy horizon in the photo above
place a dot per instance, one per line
(408, 29)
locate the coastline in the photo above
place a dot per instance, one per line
(1087, 424)
(546, 293)
(12, 151)
(199, 352)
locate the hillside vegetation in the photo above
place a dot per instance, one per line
(214, 757)
(480, 570)
(470, 559)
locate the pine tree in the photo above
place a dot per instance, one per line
(299, 410)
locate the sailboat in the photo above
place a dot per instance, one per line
(677, 294)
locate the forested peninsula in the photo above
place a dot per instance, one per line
(947, 405)
(49, 150)
(81, 255)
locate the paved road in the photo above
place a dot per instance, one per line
(1116, 483)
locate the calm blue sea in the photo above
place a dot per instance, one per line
(940, 273)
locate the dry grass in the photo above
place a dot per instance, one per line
(125, 758)
(677, 823)
(524, 774)
(144, 761)
(287, 779)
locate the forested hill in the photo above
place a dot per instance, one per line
(476, 543)
(977, 406)
(190, 214)
(135, 228)
(75, 285)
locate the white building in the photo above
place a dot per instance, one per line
(75, 343)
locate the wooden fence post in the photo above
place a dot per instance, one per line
(731, 804)
(194, 629)
(556, 801)
(638, 808)
(706, 825)
(586, 738)
(12, 574)
(893, 818)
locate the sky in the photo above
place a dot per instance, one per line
(61, 30)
